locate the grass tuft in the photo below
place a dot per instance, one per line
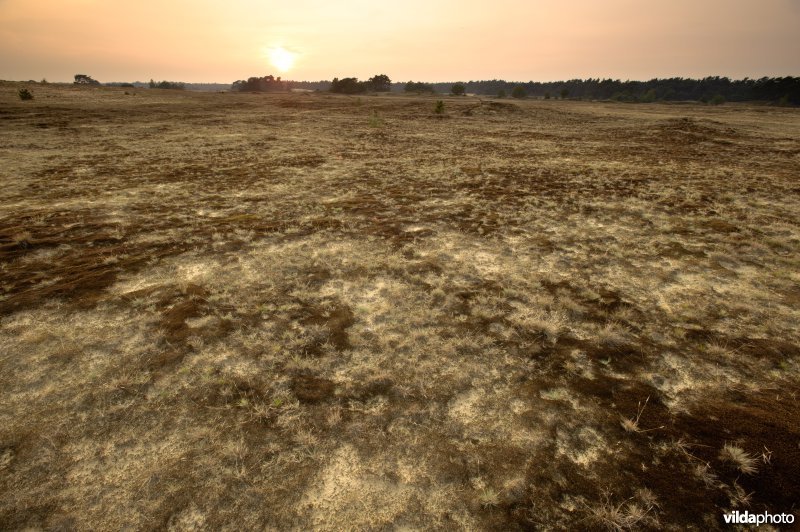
(743, 461)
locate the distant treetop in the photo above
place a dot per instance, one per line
(377, 83)
(348, 86)
(380, 83)
(267, 83)
(83, 79)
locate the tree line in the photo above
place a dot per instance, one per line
(784, 90)
(712, 89)
(377, 83)
(173, 85)
(271, 83)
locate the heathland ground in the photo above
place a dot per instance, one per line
(311, 311)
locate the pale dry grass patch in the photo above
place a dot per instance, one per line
(627, 515)
(683, 379)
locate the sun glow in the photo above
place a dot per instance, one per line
(281, 58)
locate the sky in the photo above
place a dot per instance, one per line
(422, 40)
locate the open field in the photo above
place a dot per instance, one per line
(324, 312)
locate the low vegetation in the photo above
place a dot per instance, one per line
(377, 83)
(418, 87)
(171, 85)
(312, 311)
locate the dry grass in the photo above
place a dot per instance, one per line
(316, 312)
(744, 462)
(630, 514)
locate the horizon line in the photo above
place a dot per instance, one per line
(745, 78)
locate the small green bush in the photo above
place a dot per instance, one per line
(439, 109)
(25, 94)
(519, 92)
(458, 89)
(717, 99)
(649, 96)
(375, 120)
(501, 93)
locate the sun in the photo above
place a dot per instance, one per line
(281, 58)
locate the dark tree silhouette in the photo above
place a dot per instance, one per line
(380, 83)
(780, 91)
(418, 87)
(265, 84)
(458, 89)
(174, 85)
(83, 79)
(348, 86)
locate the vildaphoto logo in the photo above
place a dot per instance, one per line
(746, 518)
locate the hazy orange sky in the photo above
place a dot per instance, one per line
(446, 40)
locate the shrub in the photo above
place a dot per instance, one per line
(501, 93)
(348, 86)
(519, 92)
(546, 95)
(717, 99)
(624, 96)
(649, 96)
(439, 109)
(375, 120)
(564, 94)
(25, 94)
(458, 89)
